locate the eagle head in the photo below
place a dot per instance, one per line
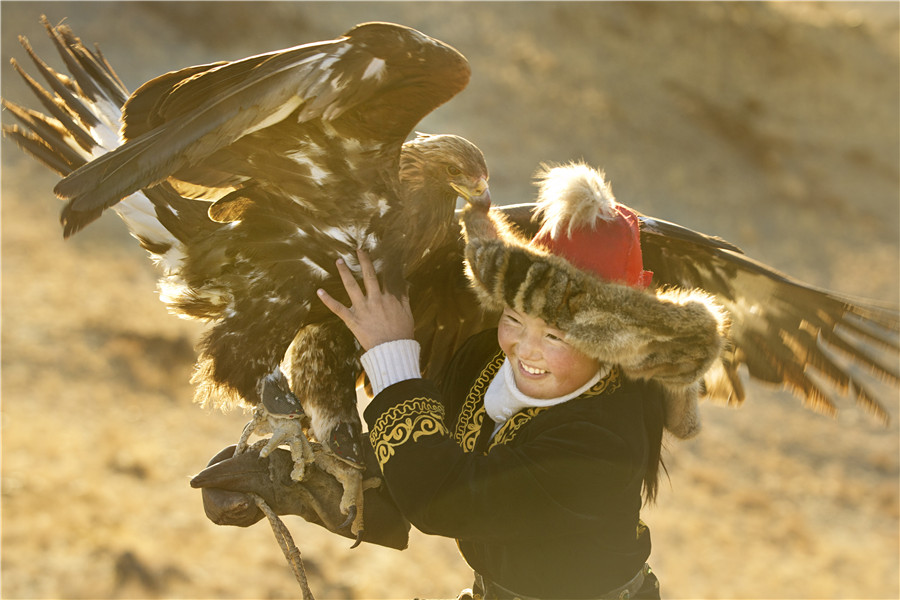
(445, 167)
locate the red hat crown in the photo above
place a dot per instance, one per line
(583, 223)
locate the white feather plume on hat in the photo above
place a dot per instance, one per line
(671, 336)
(570, 196)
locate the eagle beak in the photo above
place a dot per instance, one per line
(478, 195)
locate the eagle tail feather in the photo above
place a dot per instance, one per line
(82, 122)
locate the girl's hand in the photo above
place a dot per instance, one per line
(374, 317)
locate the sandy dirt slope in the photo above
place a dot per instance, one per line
(773, 125)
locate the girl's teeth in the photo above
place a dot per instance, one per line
(531, 370)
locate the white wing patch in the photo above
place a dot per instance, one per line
(277, 116)
(107, 133)
(352, 145)
(173, 290)
(375, 69)
(338, 84)
(139, 215)
(352, 236)
(315, 269)
(318, 174)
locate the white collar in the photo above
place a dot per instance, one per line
(503, 399)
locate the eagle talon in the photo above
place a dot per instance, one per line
(285, 430)
(359, 537)
(351, 516)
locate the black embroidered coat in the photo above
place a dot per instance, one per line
(550, 506)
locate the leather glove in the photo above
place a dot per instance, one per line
(227, 479)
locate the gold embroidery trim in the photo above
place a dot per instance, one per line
(471, 416)
(606, 385)
(409, 420)
(513, 424)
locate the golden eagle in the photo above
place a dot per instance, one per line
(245, 180)
(257, 175)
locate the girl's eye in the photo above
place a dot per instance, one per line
(557, 338)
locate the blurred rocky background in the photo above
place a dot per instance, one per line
(771, 124)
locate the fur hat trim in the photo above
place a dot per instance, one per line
(671, 336)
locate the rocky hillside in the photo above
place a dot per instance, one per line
(774, 125)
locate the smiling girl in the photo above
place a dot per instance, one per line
(535, 450)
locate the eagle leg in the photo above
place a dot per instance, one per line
(280, 414)
(284, 430)
(350, 475)
(344, 441)
(289, 431)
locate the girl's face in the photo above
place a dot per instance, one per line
(544, 365)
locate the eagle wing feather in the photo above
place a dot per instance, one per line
(187, 117)
(785, 333)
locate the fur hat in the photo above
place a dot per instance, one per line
(583, 273)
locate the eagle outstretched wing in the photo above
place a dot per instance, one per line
(808, 340)
(785, 333)
(372, 85)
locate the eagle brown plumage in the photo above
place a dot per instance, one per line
(245, 180)
(260, 173)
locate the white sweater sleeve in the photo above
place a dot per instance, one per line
(391, 362)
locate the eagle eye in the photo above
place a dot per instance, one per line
(454, 171)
